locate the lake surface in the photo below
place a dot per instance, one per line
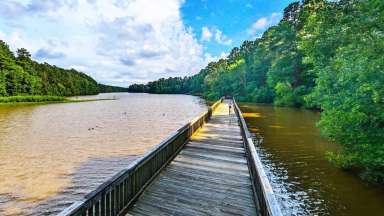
(304, 181)
(52, 155)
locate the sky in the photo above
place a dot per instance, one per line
(120, 42)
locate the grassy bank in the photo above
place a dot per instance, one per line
(41, 99)
(32, 99)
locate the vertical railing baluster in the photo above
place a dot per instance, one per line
(102, 205)
(121, 196)
(108, 204)
(117, 198)
(123, 191)
(113, 202)
(90, 210)
(97, 209)
(126, 195)
(116, 202)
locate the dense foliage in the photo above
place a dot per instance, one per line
(171, 85)
(20, 75)
(108, 89)
(326, 55)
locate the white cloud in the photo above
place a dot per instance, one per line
(219, 37)
(263, 23)
(206, 34)
(222, 39)
(115, 41)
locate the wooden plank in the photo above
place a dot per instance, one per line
(214, 157)
(217, 153)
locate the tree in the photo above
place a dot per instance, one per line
(351, 91)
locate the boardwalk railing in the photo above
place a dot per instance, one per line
(265, 199)
(116, 195)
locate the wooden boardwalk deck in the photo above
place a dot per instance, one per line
(209, 177)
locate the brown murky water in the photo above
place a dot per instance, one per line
(51, 155)
(304, 181)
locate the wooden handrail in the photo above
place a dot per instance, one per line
(115, 196)
(265, 199)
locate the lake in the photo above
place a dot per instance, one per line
(293, 153)
(52, 155)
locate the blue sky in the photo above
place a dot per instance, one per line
(121, 42)
(233, 18)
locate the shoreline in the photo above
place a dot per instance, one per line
(42, 99)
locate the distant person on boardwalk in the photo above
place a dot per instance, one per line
(229, 107)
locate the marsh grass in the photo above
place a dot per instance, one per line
(31, 99)
(41, 99)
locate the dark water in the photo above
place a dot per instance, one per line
(304, 181)
(52, 155)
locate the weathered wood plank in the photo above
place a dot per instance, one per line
(214, 157)
(209, 177)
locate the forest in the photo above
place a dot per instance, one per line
(21, 76)
(322, 55)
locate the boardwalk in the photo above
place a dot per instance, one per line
(209, 177)
(213, 170)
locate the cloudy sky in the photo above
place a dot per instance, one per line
(120, 42)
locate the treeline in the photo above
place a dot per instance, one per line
(326, 55)
(20, 75)
(109, 89)
(172, 85)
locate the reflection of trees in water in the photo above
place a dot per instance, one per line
(86, 178)
(11, 113)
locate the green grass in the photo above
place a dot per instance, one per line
(41, 99)
(31, 99)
